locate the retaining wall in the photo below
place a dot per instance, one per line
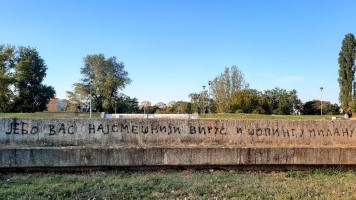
(175, 142)
(177, 132)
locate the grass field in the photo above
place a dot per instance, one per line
(49, 115)
(188, 184)
(214, 115)
(259, 116)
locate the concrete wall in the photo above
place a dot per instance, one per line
(282, 144)
(175, 156)
(173, 132)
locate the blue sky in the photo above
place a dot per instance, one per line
(172, 48)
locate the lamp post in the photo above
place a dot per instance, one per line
(321, 100)
(203, 99)
(90, 100)
(209, 97)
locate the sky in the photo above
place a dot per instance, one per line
(172, 48)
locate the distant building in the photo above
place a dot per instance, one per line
(55, 105)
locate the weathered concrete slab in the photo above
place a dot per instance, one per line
(173, 156)
(31, 143)
(148, 132)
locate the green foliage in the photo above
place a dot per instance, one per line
(103, 77)
(347, 70)
(311, 107)
(30, 70)
(280, 101)
(247, 101)
(234, 97)
(267, 116)
(6, 78)
(184, 107)
(352, 105)
(126, 104)
(195, 101)
(225, 85)
(314, 108)
(22, 71)
(78, 97)
(181, 107)
(199, 102)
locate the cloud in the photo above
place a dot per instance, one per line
(290, 79)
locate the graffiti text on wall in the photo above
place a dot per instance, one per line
(24, 128)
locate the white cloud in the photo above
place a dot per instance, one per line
(290, 79)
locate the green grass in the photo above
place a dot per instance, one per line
(260, 116)
(49, 115)
(214, 116)
(188, 184)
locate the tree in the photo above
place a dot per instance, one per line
(347, 70)
(22, 71)
(247, 101)
(195, 102)
(126, 104)
(199, 102)
(224, 85)
(6, 79)
(104, 77)
(30, 70)
(78, 97)
(313, 108)
(280, 101)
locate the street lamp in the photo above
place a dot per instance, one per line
(321, 100)
(209, 97)
(90, 100)
(203, 99)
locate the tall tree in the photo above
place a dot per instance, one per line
(280, 101)
(126, 104)
(224, 85)
(104, 77)
(313, 107)
(30, 70)
(347, 70)
(78, 97)
(247, 101)
(6, 79)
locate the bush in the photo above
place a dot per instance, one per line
(239, 111)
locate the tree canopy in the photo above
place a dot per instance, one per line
(7, 63)
(313, 108)
(103, 77)
(281, 101)
(247, 101)
(22, 72)
(224, 85)
(347, 70)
